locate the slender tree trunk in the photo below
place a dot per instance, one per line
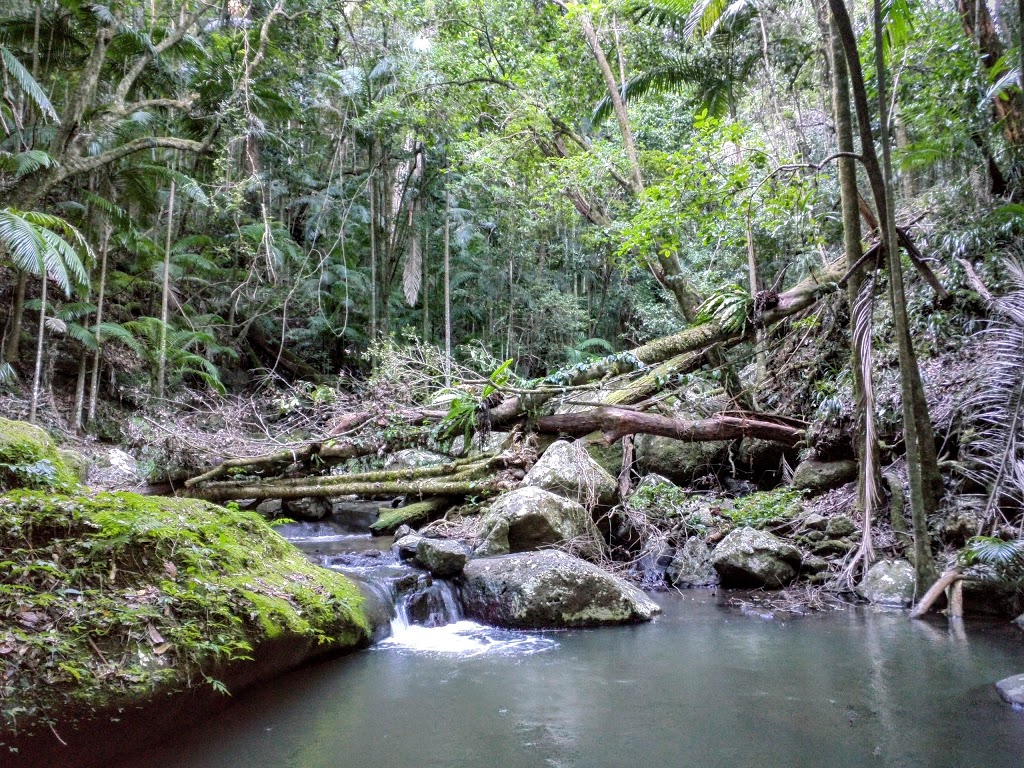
(165, 293)
(94, 383)
(981, 29)
(373, 257)
(83, 370)
(13, 351)
(426, 280)
(868, 456)
(910, 382)
(447, 290)
(38, 374)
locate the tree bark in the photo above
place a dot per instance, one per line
(916, 424)
(616, 423)
(1009, 105)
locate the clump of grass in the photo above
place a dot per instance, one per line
(108, 598)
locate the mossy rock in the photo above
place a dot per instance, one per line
(109, 599)
(29, 459)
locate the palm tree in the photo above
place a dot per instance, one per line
(37, 244)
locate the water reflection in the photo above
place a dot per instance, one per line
(702, 686)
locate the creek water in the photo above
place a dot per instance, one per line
(706, 684)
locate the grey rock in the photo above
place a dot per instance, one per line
(530, 518)
(403, 530)
(889, 583)
(568, 470)
(748, 557)
(833, 547)
(550, 590)
(269, 508)
(820, 476)
(814, 536)
(413, 458)
(1019, 621)
(814, 564)
(839, 527)
(444, 558)
(406, 546)
(310, 509)
(691, 566)
(1012, 690)
(679, 460)
(493, 442)
(815, 522)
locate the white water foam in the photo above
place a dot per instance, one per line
(465, 638)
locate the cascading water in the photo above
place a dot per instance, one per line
(425, 613)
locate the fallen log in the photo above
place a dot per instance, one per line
(937, 589)
(616, 423)
(488, 486)
(683, 352)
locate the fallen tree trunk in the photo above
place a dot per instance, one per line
(616, 423)
(460, 477)
(380, 490)
(682, 352)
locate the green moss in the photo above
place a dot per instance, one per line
(391, 519)
(760, 509)
(110, 597)
(29, 459)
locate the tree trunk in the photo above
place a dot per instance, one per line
(447, 290)
(617, 423)
(94, 384)
(1009, 105)
(868, 455)
(37, 375)
(165, 293)
(910, 382)
(13, 351)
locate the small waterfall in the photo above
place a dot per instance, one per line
(430, 603)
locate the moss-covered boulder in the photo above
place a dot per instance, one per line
(751, 558)
(550, 590)
(29, 459)
(109, 599)
(530, 518)
(889, 583)
(820, 476)
(568, 470)
(678, 460)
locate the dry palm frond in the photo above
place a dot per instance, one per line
(997, 407)
(412, 279)
(862, 342)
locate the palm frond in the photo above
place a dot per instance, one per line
(9, 63)
(412, 278)
(996, 454)
(862, 341)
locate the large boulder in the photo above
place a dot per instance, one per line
(1012, 690)
(748, 557)
(691, 566)
(311, 510)
(890, 583)
(568, 470)
(550, 590)
(444, 558)
(530, 518)
(414, 458)
(29, 459)
(820, 476)
(678, 460)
